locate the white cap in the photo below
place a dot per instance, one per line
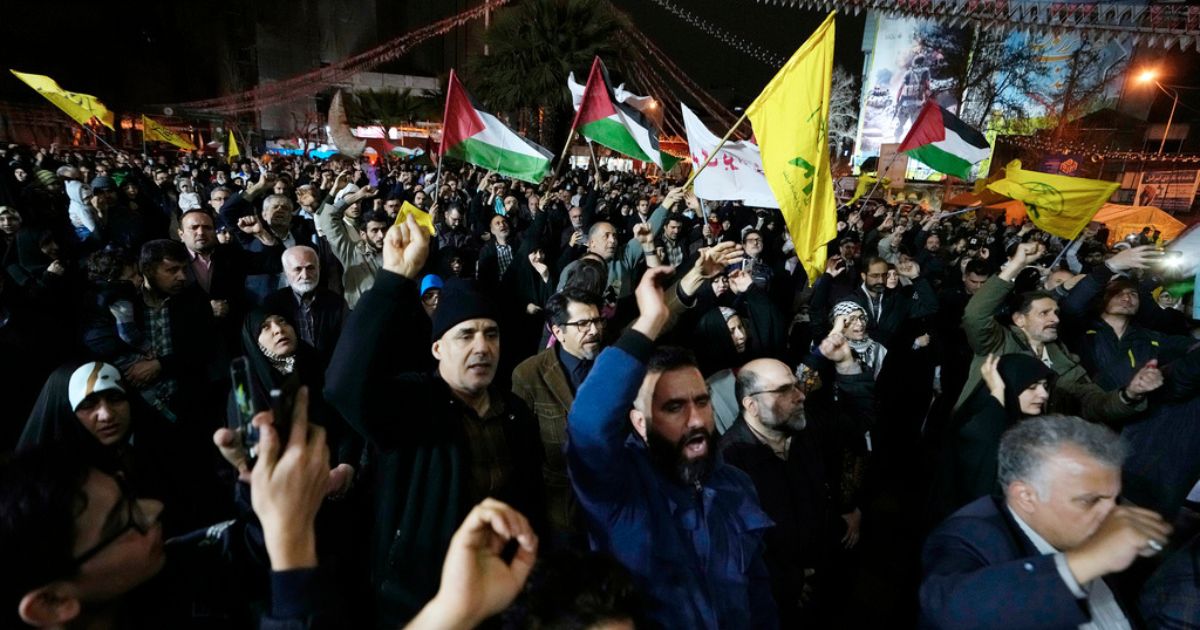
(91, 378)
(350, 189)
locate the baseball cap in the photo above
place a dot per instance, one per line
(92, 378)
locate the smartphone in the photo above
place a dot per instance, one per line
(243, 399)
(283, 402)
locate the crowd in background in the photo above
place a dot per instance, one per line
(594, 400)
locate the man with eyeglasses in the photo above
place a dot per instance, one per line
(770, 442)
(547, 382)
(81, 549)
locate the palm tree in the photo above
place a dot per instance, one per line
(532, 47)
(391, 107)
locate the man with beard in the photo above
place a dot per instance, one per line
(318, 312)
(547, 382)
(887, 309)
(360, 258)
(769, 441)
(686, 525)
(1034, 331)
(444, 440)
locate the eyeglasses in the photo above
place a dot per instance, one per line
(584, 324)
(133, 517)
(782, 389)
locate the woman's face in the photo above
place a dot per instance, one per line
(720, 285)
(738, 332)
(1033, 399)
(10, 222)
(856, 326)
(537, 256)
(277, 336)
(893, 279)
(105, 415)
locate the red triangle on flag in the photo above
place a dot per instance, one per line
(597, 102)
(460, 120)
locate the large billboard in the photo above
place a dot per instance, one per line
(997, 81)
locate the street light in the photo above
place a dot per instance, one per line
(1148, 76)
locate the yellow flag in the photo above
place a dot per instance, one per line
(1058, 204)
(153, 131)
(233, 147)
(83, 108)
(423, 218)
(791, 123)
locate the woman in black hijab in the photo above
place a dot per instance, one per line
(1014, 387)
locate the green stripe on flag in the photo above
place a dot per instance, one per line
(942, 161)
(615, 136)
(526, 168)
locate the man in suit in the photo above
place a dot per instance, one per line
(1038, 556)
(547, 382)
(277, 218)
(316, 312)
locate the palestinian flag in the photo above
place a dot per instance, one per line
(944, 142)
(477, 137)
(617, 125)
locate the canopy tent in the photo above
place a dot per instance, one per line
(1125, 220)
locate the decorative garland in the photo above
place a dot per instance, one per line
(1095, 150)
(737, 43)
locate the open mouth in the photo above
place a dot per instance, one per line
(696, 446)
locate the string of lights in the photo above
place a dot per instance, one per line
(739, 44)
(1095, 151)
(665, 97)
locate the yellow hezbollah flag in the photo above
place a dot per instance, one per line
(1058, 204)
(152, 130)
(790, 120)
(423, 218)
(233, 147)
(83, 108)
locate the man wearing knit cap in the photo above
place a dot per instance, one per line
(446, 439)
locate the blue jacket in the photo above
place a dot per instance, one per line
(697, 555)
(981, 571)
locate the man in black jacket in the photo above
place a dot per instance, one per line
(317, 312)
(445, 440)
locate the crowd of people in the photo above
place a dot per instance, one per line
(260, 392)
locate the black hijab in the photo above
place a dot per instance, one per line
(1019, 371)
(308, 365)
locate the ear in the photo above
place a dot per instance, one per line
(51, 605)
(557, 332)
(1018, 319)
(638, 420)
(180, 230)
(1023, 496)
(746, 406)
(436, 348)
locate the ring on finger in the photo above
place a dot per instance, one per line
(1154, 544)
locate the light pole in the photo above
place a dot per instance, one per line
(1149, 76)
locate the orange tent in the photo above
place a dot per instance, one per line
(1125, 220)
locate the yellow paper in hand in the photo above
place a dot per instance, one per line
(423, 218)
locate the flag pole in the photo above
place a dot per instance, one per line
(563, 156)
(878, 178)
(595, 163)
(717, 150)
(98, 138)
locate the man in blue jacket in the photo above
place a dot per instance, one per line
(687, 526)
(1037, 557)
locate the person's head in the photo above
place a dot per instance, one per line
(277, 337)
(752, 243)
(1166, 299)
(856, 319)
(130, 188)
(281, 187)
(574, 316)
(74, 539)
(21, 174)
(510, 204)
(306, 195)
(162, 264)
(1036, 315)
(1061, 475)
(1027, 384)
(111, 264)
(643, 206)
(673, 414)
(848, 249)
(277, 212)
(302, 267)
(933, 243)
(466, 339)
(672, 228)
(575, 214)
(770, 396)
(874, 275)
(720, 285)
(1121, 298)
(10, 220)
(1056, 279)
(391, 205)
(736, 328)
(454, 217)
(431, 293)
(498, 227)
(602, 240)
(974, 275)
(573, 590)
(99, 402)
(218, 196)
(196, 231)
(373, 228)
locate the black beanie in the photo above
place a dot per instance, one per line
(461, 300)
